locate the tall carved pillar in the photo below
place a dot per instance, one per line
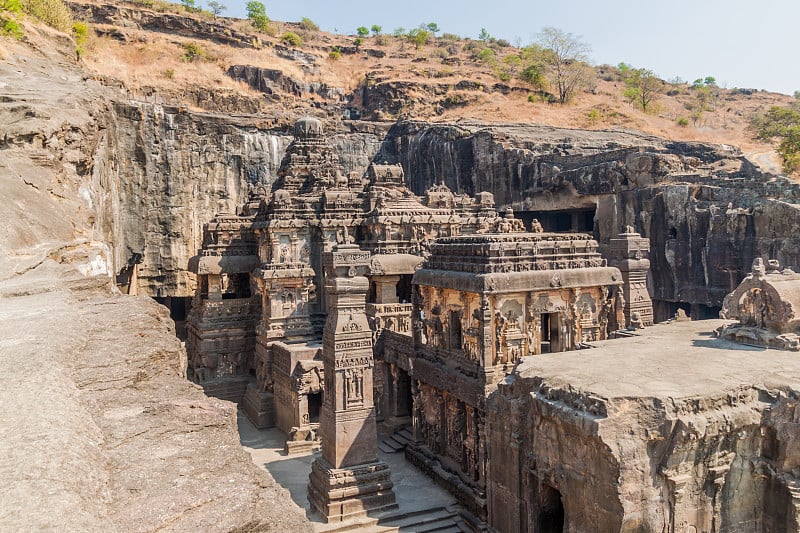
(628, 252)
(348, 480)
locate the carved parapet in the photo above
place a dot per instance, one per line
(393, 317)
(224, 310)
(340, 494)
(347, 261)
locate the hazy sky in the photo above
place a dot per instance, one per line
(742, 43)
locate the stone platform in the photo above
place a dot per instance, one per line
(672, 429)
(668, 360)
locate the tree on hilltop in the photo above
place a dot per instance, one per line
(642, 87)
(782, 124)
(216, 7)
(257, 15)
(566, 57)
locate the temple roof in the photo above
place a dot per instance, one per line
(667, 361)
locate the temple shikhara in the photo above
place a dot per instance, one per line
(334, 302)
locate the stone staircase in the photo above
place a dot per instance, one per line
(397, 441)
(435, 519)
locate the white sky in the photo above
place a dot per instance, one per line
(742, 43)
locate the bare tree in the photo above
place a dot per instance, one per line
(216, 7)
(566, 57)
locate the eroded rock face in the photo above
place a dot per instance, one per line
(101, 431)
(706, 210)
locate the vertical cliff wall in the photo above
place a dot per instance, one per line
(173, 170)
(99, 425)
(706, 210)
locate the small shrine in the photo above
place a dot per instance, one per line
(767, 306)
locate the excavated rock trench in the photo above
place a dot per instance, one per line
(96, 185)
(100, 431)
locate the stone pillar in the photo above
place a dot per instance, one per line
(386, 289)
(348, 481)
(628, 252)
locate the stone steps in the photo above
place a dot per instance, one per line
(396, 442)
(435, 519)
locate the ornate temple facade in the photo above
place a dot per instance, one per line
(454, 296)
(256, 322)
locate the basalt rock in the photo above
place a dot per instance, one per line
(100, 430)
(171, 23)
(706, 210)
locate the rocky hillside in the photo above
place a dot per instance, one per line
(163, 54)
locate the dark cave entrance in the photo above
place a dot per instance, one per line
(569, 220)
(551, 511)
(404, 288)
(665, 310)
(314, 406)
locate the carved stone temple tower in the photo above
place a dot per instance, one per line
(348, 480)
(628, 252)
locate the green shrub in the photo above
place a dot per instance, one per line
(169, 73)
(334, 54)
(193, 52)
(362, 31)
(14, 6)
(11, 27)
(593, 115)
(292, 39)
(485, 56)
(308, 24)
(81, 32)
(54, 13)
(419, 37)
(683, 122)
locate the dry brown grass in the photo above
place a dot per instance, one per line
(146, 60)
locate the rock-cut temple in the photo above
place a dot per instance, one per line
(332, 303)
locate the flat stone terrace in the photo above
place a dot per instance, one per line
(668, 360)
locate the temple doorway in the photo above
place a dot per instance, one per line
(399, 393)
(404, 399)
(551, 328)
(314, 405)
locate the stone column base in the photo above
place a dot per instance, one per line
(259, 407)
(340, 494)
